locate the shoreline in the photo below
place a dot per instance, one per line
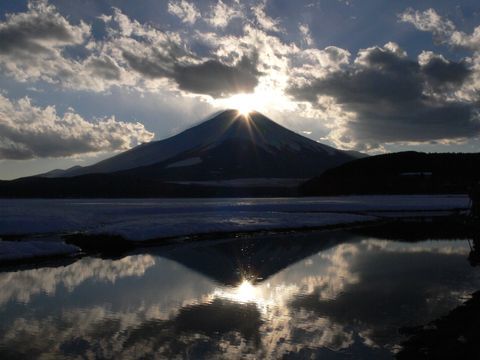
(100, 245)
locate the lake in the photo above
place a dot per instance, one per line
(331, 294)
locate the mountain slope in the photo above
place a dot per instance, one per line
(224, 147)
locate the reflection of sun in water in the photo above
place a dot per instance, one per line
(263, 295)
(245, 292)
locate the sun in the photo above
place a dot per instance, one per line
(244, 110)
(244, 103)
(265, 99)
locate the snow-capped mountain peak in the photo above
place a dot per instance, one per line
(228, 140)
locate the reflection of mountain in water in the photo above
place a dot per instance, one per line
(255, 259)
(329, 295)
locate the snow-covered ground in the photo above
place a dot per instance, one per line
(144, 219)
(140, 229)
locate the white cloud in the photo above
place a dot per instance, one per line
(428, 20)
(222, 14)
(314, 63)
(28, 131)
(443, 30)
(306, 34)
(184, 10)
(266, 22)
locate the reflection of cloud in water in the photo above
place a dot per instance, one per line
(21, 285)
(396, 284)
(352, 295)
(448, 247)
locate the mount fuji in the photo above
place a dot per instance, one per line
(227, 150)
(226, 146)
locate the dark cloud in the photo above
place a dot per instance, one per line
(152, 68)
(441, 72)
(391, 96)
(211, 77)
(38, 29)
(217, 79)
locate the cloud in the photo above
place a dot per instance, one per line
(392, 98)
(443, 30)
(311, 63)
(217, 79)
(184, 10)
(306, 34)
(428, 20)
(35, 46)
(156, 55)
(222, 14)
(28, 131)
(105, 67)
(440, 72)
(131, 55)
(31, 43)
(380, 92)
(263, 20)
(210, 77)
(39, 30)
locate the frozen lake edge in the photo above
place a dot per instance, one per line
(30, 222)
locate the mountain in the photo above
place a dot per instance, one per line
(399, 173)
(227, 146)
(226, 155)
(256, 259)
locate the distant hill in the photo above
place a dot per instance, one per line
(399, 173)
(204, 160)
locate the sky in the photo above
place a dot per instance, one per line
(83, 80)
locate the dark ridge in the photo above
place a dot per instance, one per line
(113, 186)
(399, 173)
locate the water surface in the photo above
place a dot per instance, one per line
(332, 295)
